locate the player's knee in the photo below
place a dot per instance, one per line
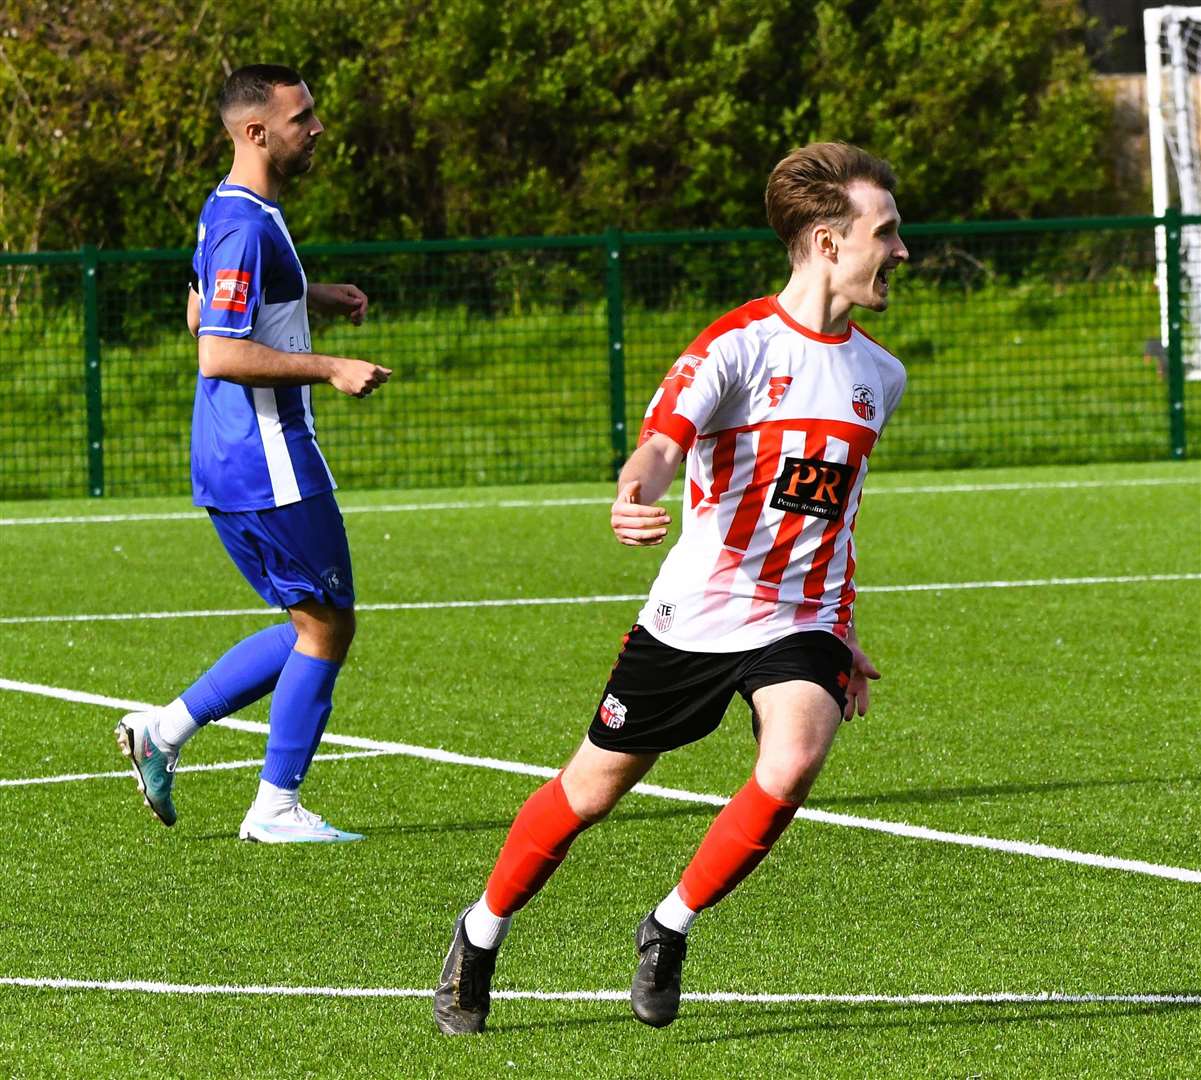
(591, 798)
(593, 806)
(789, 777)
(324, 632)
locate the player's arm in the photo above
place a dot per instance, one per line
(634, 518)
(348, 300)
(193, 311)
(862, 670)
(249, 363)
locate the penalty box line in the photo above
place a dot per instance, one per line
(447, 757)
(536, 504)
(718, 997)
(543, 601)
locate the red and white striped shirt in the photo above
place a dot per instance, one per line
(778, 423)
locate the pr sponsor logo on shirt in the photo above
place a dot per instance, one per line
(863, 401)
(231, 290)
(612, 712)
(812, 486)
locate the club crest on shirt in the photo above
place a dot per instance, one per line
(612, 712)
(813, 486)
(863, 401)
(665, 615)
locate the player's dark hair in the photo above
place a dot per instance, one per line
(810, 186)
(253, 85)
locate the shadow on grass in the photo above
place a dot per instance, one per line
(883, 1017)
(616, 1016)
(619, 816)
(418, 828)
(983, 791)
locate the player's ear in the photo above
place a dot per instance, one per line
(256, 132)
(824, 241)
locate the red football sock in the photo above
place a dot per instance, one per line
(737, 841)
(537, 843)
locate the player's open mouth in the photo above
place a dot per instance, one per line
(882, 280)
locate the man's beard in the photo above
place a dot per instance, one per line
(286, 161)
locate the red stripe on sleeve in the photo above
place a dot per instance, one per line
(740, 317)
(677, 428)
(663, 417)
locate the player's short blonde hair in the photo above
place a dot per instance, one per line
(810, 186)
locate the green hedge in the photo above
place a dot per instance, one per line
(469, 118)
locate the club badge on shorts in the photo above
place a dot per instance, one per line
(612, 712)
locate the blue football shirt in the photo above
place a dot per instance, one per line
(252, 447)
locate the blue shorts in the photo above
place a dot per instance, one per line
(291, 553)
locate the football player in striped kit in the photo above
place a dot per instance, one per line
(256, 465)
(775, 409)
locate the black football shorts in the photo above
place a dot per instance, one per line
(659, 698)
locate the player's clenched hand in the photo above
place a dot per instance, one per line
(862, 669)
(358, 378)
(348, 300)
(634, 524)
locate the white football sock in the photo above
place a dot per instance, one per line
(674, 913)
(485, 930)
(271, 801)
(175, 726)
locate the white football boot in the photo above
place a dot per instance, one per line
(295, 826)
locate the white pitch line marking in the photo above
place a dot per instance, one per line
(719, 997)
(216, 766)
(543, 601)
(522, 504)
(1028, 583)
(383, 508)
(825, 817)
(411, 605)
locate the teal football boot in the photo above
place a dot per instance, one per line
(153, 767)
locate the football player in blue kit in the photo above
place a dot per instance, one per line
(256, 465)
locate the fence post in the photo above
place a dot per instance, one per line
(617, 365)
(91, 371)
(1175, 357)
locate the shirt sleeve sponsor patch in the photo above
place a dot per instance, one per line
(231, 290)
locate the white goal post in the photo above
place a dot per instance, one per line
(1172, 36)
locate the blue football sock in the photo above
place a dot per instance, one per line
(300, 707)
(246, 673)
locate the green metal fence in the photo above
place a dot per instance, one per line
(532, 359)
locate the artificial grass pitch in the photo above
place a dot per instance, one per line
(1062, 713)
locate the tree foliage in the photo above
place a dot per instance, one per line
(468, 117)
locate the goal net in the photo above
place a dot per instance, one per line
(1173, 42)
